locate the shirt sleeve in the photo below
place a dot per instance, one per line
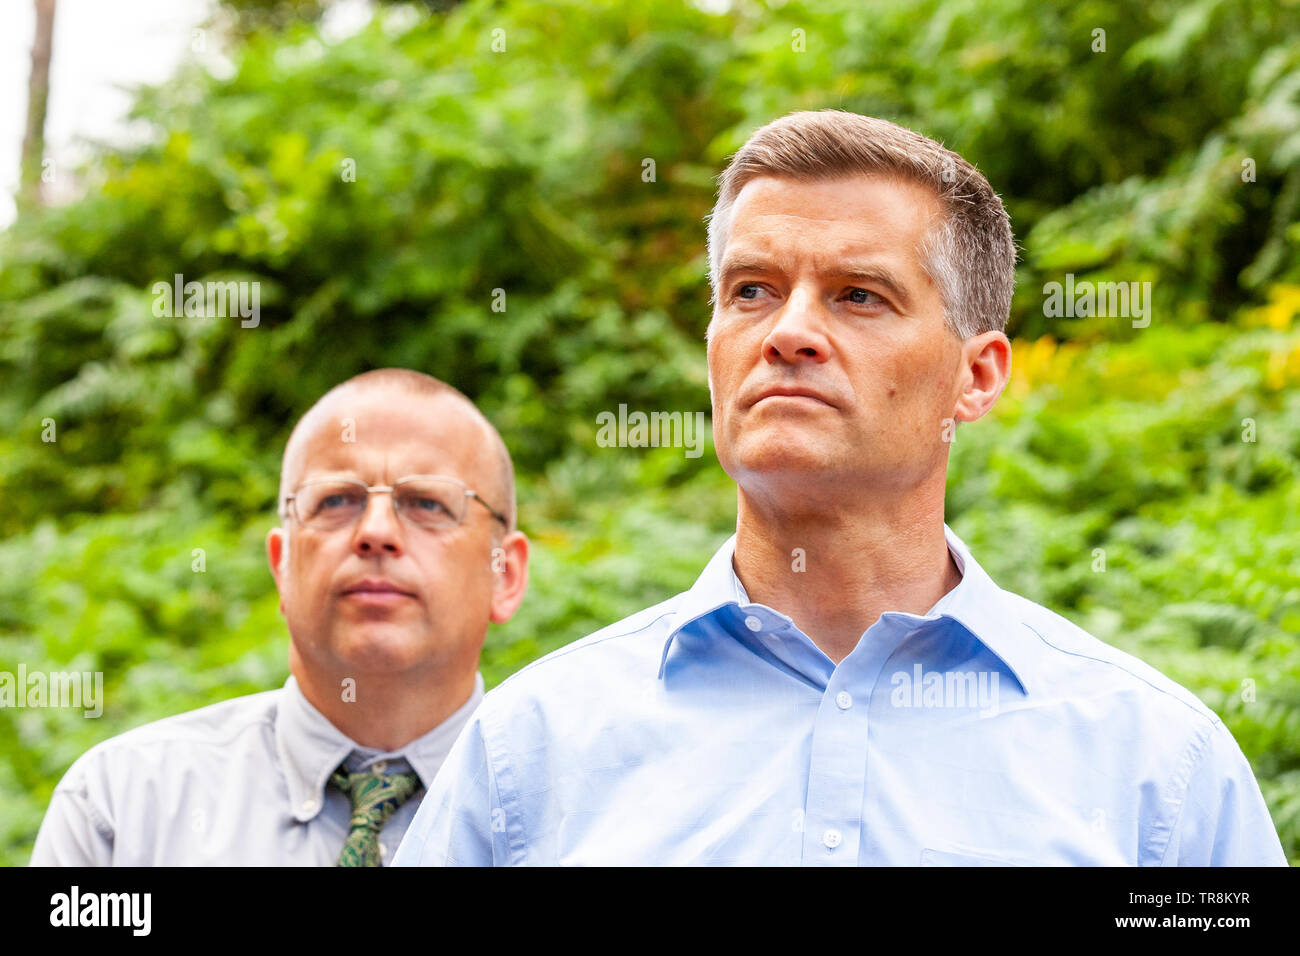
(1224, 820)
(461, 820)
(74, 832)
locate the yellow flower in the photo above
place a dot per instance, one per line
(1279, 311)
(1039, 362)
(1283, 366)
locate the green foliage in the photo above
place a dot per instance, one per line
(382, 188)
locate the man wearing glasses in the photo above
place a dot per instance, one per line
(397, 548)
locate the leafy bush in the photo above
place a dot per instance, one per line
(382, 188)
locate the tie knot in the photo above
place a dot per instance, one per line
(375, 796)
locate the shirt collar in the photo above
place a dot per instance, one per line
(976, 603)
(311, 748)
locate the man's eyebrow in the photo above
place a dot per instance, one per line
(745, 263)
(861, 271)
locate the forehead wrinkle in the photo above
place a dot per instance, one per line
(759, 216)
(773, 243)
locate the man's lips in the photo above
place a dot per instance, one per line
(792, 392)
(377, 591)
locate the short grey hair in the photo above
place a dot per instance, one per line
(970, 256)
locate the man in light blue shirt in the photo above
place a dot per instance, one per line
(844, 685)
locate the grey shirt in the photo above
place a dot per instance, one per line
(240, 783)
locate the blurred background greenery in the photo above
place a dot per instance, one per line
(1171, 157)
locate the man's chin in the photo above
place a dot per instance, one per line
(382, 647)
(780, 452)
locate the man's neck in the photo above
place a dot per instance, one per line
(834, 572)
(385, 712)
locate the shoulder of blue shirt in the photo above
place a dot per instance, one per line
(1064, 659)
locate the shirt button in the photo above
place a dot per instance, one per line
(379, 766)
(383, 850)
(831, 838)
(309, 806)
(844, 700)
(753, 623)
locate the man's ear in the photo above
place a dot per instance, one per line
(277, 556)
(510, 571)
(984, 372)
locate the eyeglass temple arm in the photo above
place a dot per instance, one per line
(492, 511)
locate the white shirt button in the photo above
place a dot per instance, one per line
(753, 623)
(844, 700)
(379, 766)
(383, 850)
(831, 838)
(309, 806)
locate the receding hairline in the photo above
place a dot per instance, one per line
(425, 387)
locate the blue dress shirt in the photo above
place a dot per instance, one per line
(711, 730)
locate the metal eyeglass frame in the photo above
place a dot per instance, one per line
(291, 509)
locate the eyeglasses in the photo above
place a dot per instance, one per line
(432, 502)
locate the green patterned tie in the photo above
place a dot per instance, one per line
(375, 797)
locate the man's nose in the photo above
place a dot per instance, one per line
(379, 531)
(799, 332)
